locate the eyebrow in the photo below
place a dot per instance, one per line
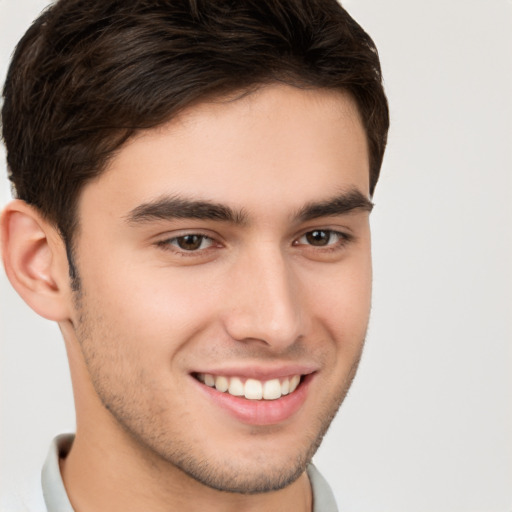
(175, 207)
(341, 204)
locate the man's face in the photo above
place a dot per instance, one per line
(229, 248)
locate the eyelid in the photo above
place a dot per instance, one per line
(168, 242)
(202, 239)
(344, 234)
(331, 249)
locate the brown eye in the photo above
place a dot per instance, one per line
(318, 238)
(324, 238)
(190, 242)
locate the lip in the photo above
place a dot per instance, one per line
(259, 412)
(262, 374)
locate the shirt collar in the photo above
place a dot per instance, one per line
(54, 492)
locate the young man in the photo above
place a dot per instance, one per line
(193, 183)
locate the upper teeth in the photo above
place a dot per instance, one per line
(252, 389)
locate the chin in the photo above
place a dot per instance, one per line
(260, 463)
(256, 477)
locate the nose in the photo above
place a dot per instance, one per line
(264, 300)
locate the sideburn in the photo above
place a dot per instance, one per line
(73, 273)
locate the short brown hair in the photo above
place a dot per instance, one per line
(88, 74)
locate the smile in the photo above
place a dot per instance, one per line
(251, 389)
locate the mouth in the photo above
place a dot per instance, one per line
(257, 396)
(251, 389)
(270, 400)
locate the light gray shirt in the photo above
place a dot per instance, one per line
(57, 500)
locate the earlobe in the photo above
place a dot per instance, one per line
(35, 260)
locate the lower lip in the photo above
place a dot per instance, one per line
(260, 412)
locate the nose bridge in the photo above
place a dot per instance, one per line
(265, 301)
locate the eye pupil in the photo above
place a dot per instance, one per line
(318, 237)
(189, 242)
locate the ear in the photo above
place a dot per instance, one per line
(35, 261)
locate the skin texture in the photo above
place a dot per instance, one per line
(256, 298)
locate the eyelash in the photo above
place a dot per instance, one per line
(343, 239)
(172, 244)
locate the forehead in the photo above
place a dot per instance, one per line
(279, 144)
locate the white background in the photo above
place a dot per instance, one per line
(427, 426)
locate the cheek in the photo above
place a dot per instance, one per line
(134, 283)
(132, 335)
(139, 307)
(343, 294)
(343, 308)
